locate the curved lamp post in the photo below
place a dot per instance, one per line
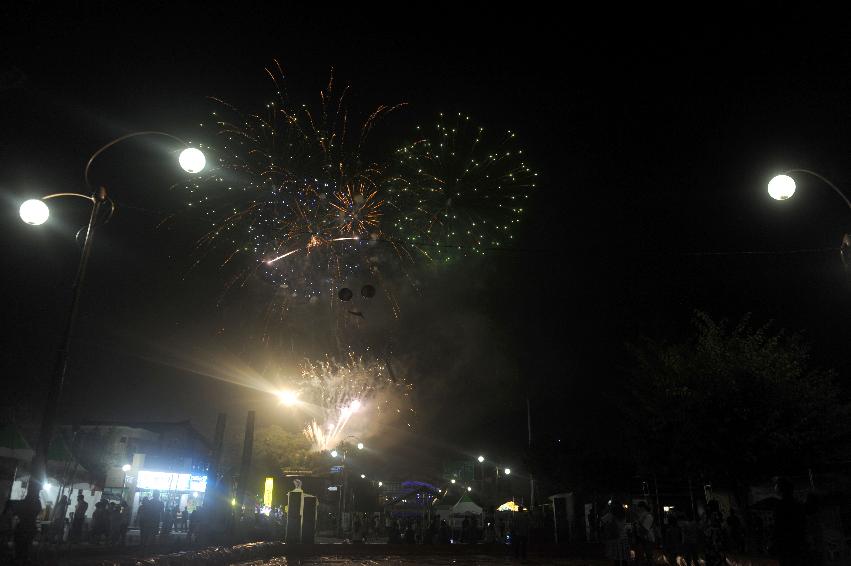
(36, 212)
(782, 187)
(342, 500)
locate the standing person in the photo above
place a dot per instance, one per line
(443, 535)
(673, 538)
(157, 512)
(100, 522)
(410, 534)
(193, 524)
(184, 519)
(356, 530)
(645, 530)
(713, 535)
(465, 530)
(614, 534)
(789, 543)
(76, 534)
(123, 522)
(520, 533)
(145, 522)
(737, 532)
(691, 537)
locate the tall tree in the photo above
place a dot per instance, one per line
(732, 403)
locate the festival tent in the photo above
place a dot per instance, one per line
(13, 445)
(466, 505)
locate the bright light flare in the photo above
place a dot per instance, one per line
(360, 445)
(334, 453)
(288, 398)
(481, 459)
(781, 187)
(507, 471)
(192, 160)
(126, 468)
(34, 212)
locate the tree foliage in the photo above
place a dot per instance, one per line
(732, 402)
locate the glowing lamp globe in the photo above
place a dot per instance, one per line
(481, 459)
(126, 468)
(334, 453)
(507, 471)
(781, 187)
(360, 445)
(469, 488)
(192, 160)
(34, 212)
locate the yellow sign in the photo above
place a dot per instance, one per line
(267, 492)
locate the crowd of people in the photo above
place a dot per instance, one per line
(636, 536)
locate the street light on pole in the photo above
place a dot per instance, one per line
(782, 187)
(345, 450)
(36, 212)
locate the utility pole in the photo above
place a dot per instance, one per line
(531, 477)
(247, 449)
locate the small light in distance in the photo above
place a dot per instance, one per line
(334, 453)
(363, 476)
(360, 445)
(452, 480)
(126, 468)
(380, 484)
(481, 459)
(469, 488)
(507, 471)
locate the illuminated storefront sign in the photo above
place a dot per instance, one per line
(170, 481)
(267, 492)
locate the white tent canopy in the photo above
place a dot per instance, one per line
(466, 505)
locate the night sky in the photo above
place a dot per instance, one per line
(654, 148)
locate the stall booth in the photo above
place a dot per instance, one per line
(174, 489)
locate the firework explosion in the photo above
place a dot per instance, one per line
(458, 190)
(291, 199)
(343, 392)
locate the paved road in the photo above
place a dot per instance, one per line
(420, 560)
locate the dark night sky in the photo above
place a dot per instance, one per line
(654, 146)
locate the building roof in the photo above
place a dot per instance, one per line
(157, 427)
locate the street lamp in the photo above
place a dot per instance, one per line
(288, 398)
(354, 406)
(481, 459)
(782, 187)
(36, 212)
(507, 471)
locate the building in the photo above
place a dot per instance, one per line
(133, 460)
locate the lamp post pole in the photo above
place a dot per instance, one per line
(782, 187)
(60, 369)
(192, 161)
